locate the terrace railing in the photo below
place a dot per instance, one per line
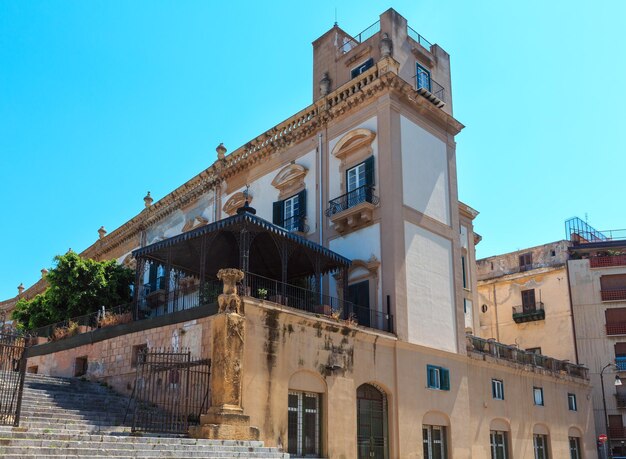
(351, 199)
(352, 42)
(314, 302)
(419, 38)
(607, 261)
(522, 357)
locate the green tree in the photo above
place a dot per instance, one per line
(76, 286)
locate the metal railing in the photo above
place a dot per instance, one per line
(620, 399)
(313, 302)
(350, 43)
(620, 362)
(425, 84)
(351, 199)
(577, 230)
(419, 38)
(607, 261)
(613, 294)
(104, 317)
(522, 357)
(528, 313)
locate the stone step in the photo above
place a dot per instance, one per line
(89, 452)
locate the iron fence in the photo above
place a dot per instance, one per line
(171, 391)
(12, 372)
(352, 198)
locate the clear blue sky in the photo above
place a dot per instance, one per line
(101, 101)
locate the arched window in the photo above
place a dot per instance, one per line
(372, 441)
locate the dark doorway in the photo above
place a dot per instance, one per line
(371, 423)
(359, 295)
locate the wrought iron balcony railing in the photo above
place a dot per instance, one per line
(351, 199)
(529, 313)
(429, 88)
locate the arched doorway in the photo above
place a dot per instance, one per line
(371, 423)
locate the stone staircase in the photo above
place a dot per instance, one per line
(70, 418)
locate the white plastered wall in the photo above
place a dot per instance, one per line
(424, 172)
(429, 289)
(359, 245)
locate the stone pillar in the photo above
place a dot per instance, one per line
(225, 419)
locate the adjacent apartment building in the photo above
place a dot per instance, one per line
(359, 282)
(565, 299)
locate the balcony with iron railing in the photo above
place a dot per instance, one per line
(429, 88)
(613, 294)
(352, 209)
(620, 362)
(617, 432)
(513, 354)
(529, 313)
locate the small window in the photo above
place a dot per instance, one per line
(574, 448)
(538, 396)
(484, 308)
(434, 440)
(423, 78)
(438, 377)
(497, 389)
(525, 261)
(553, 253)
(464, 272)
(541, 446)
(534, 350)
(137, 354)
(362, 68)
(571, 402)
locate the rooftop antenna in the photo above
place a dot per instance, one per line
(335, 16)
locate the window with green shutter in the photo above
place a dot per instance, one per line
(290, 213)
(437, 377)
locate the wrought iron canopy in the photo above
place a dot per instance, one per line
(245, 241)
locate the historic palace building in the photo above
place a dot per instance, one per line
(345, 329)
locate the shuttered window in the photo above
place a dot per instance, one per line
(290, 213)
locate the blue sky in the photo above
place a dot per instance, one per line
(101, 101)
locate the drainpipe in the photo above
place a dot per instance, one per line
(495, 306)
(571, 309)
(320, 192)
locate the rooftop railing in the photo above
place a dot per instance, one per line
(352, 42)
(419, 38)
(519, 356)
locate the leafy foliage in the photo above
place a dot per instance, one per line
(76, 286)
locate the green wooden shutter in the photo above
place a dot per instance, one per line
(369, 171)
(445, 378)
(279, 213)
(302, 207)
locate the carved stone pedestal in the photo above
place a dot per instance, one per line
(225, 419)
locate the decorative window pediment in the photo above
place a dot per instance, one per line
(290, 180)
(355, 143)
(236, 201)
